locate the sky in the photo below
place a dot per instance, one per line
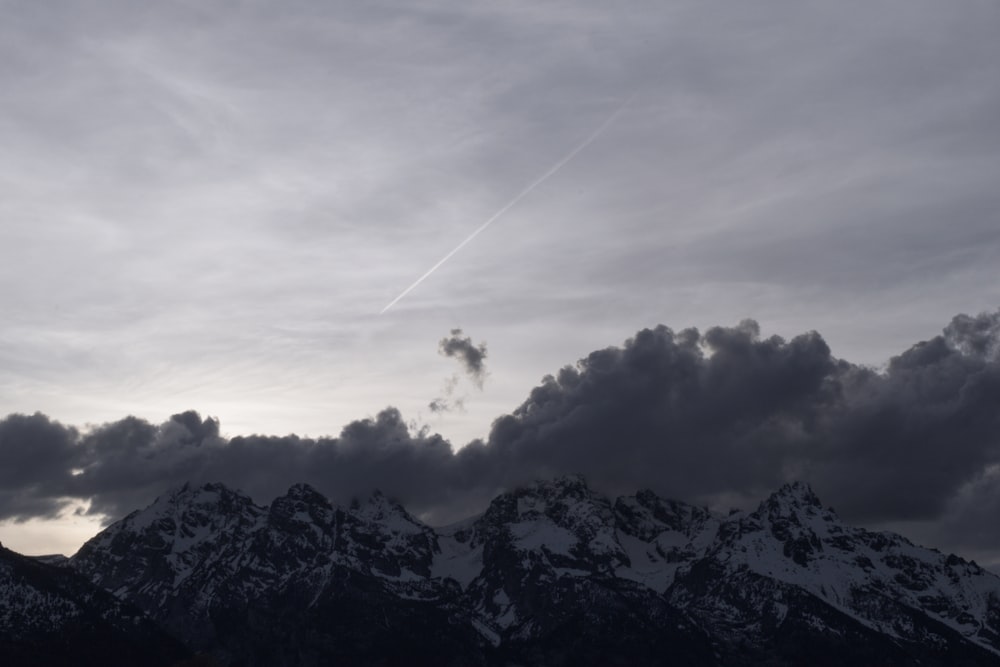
(208, 206)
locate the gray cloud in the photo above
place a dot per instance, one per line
(37, 460)
(472, 357)
(446, 403)
(977, 336)
(725, 413)
(717, 416)
(438, 405)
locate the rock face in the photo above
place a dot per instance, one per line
(790, 580)
(549, 574)
(52, 616)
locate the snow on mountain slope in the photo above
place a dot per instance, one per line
(556, 554)
(548, 559)
(186, 531)
(51, 616)
(199, 549)
(171, 558)
(28, 608)
(562, 522)
(388, 541)
(659, 536)
(879, 579)
(456, 556)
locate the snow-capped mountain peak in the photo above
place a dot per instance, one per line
(562, 521)
(761, 564)
(302, 505)
(543, 558)
(793, 495)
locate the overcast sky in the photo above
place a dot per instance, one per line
(207, 205)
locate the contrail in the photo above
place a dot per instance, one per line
(534, 184)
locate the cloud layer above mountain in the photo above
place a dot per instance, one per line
(718, 417)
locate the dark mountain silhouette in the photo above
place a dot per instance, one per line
(550, 574)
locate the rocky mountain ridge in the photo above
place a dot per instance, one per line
(552, 573)
(51, 616)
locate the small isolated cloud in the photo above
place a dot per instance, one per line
(471, 356)
(443, 404)
(446, 402)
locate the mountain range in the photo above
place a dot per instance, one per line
(552, 573)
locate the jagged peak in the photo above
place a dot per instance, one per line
(301, 504)
(565, 500)
(651, 499)
(380, 507)
(379, 499)
(571, 485)
(570, 479)
(216, 487)
(647, 497)
(794, 503)
(648, 513)
(305, 492)
(797, 493)
(207, 491)
(179, 500)
(563, 491)
(570, 482)
(299, 497)
(388, 512)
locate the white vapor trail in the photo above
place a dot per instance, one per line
(521, 195)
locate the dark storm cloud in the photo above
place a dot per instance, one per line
(711, 416)
(37, 459)
(976, 336)
(123, 465)
(969, 522)
(471, 356)
(721, 413)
